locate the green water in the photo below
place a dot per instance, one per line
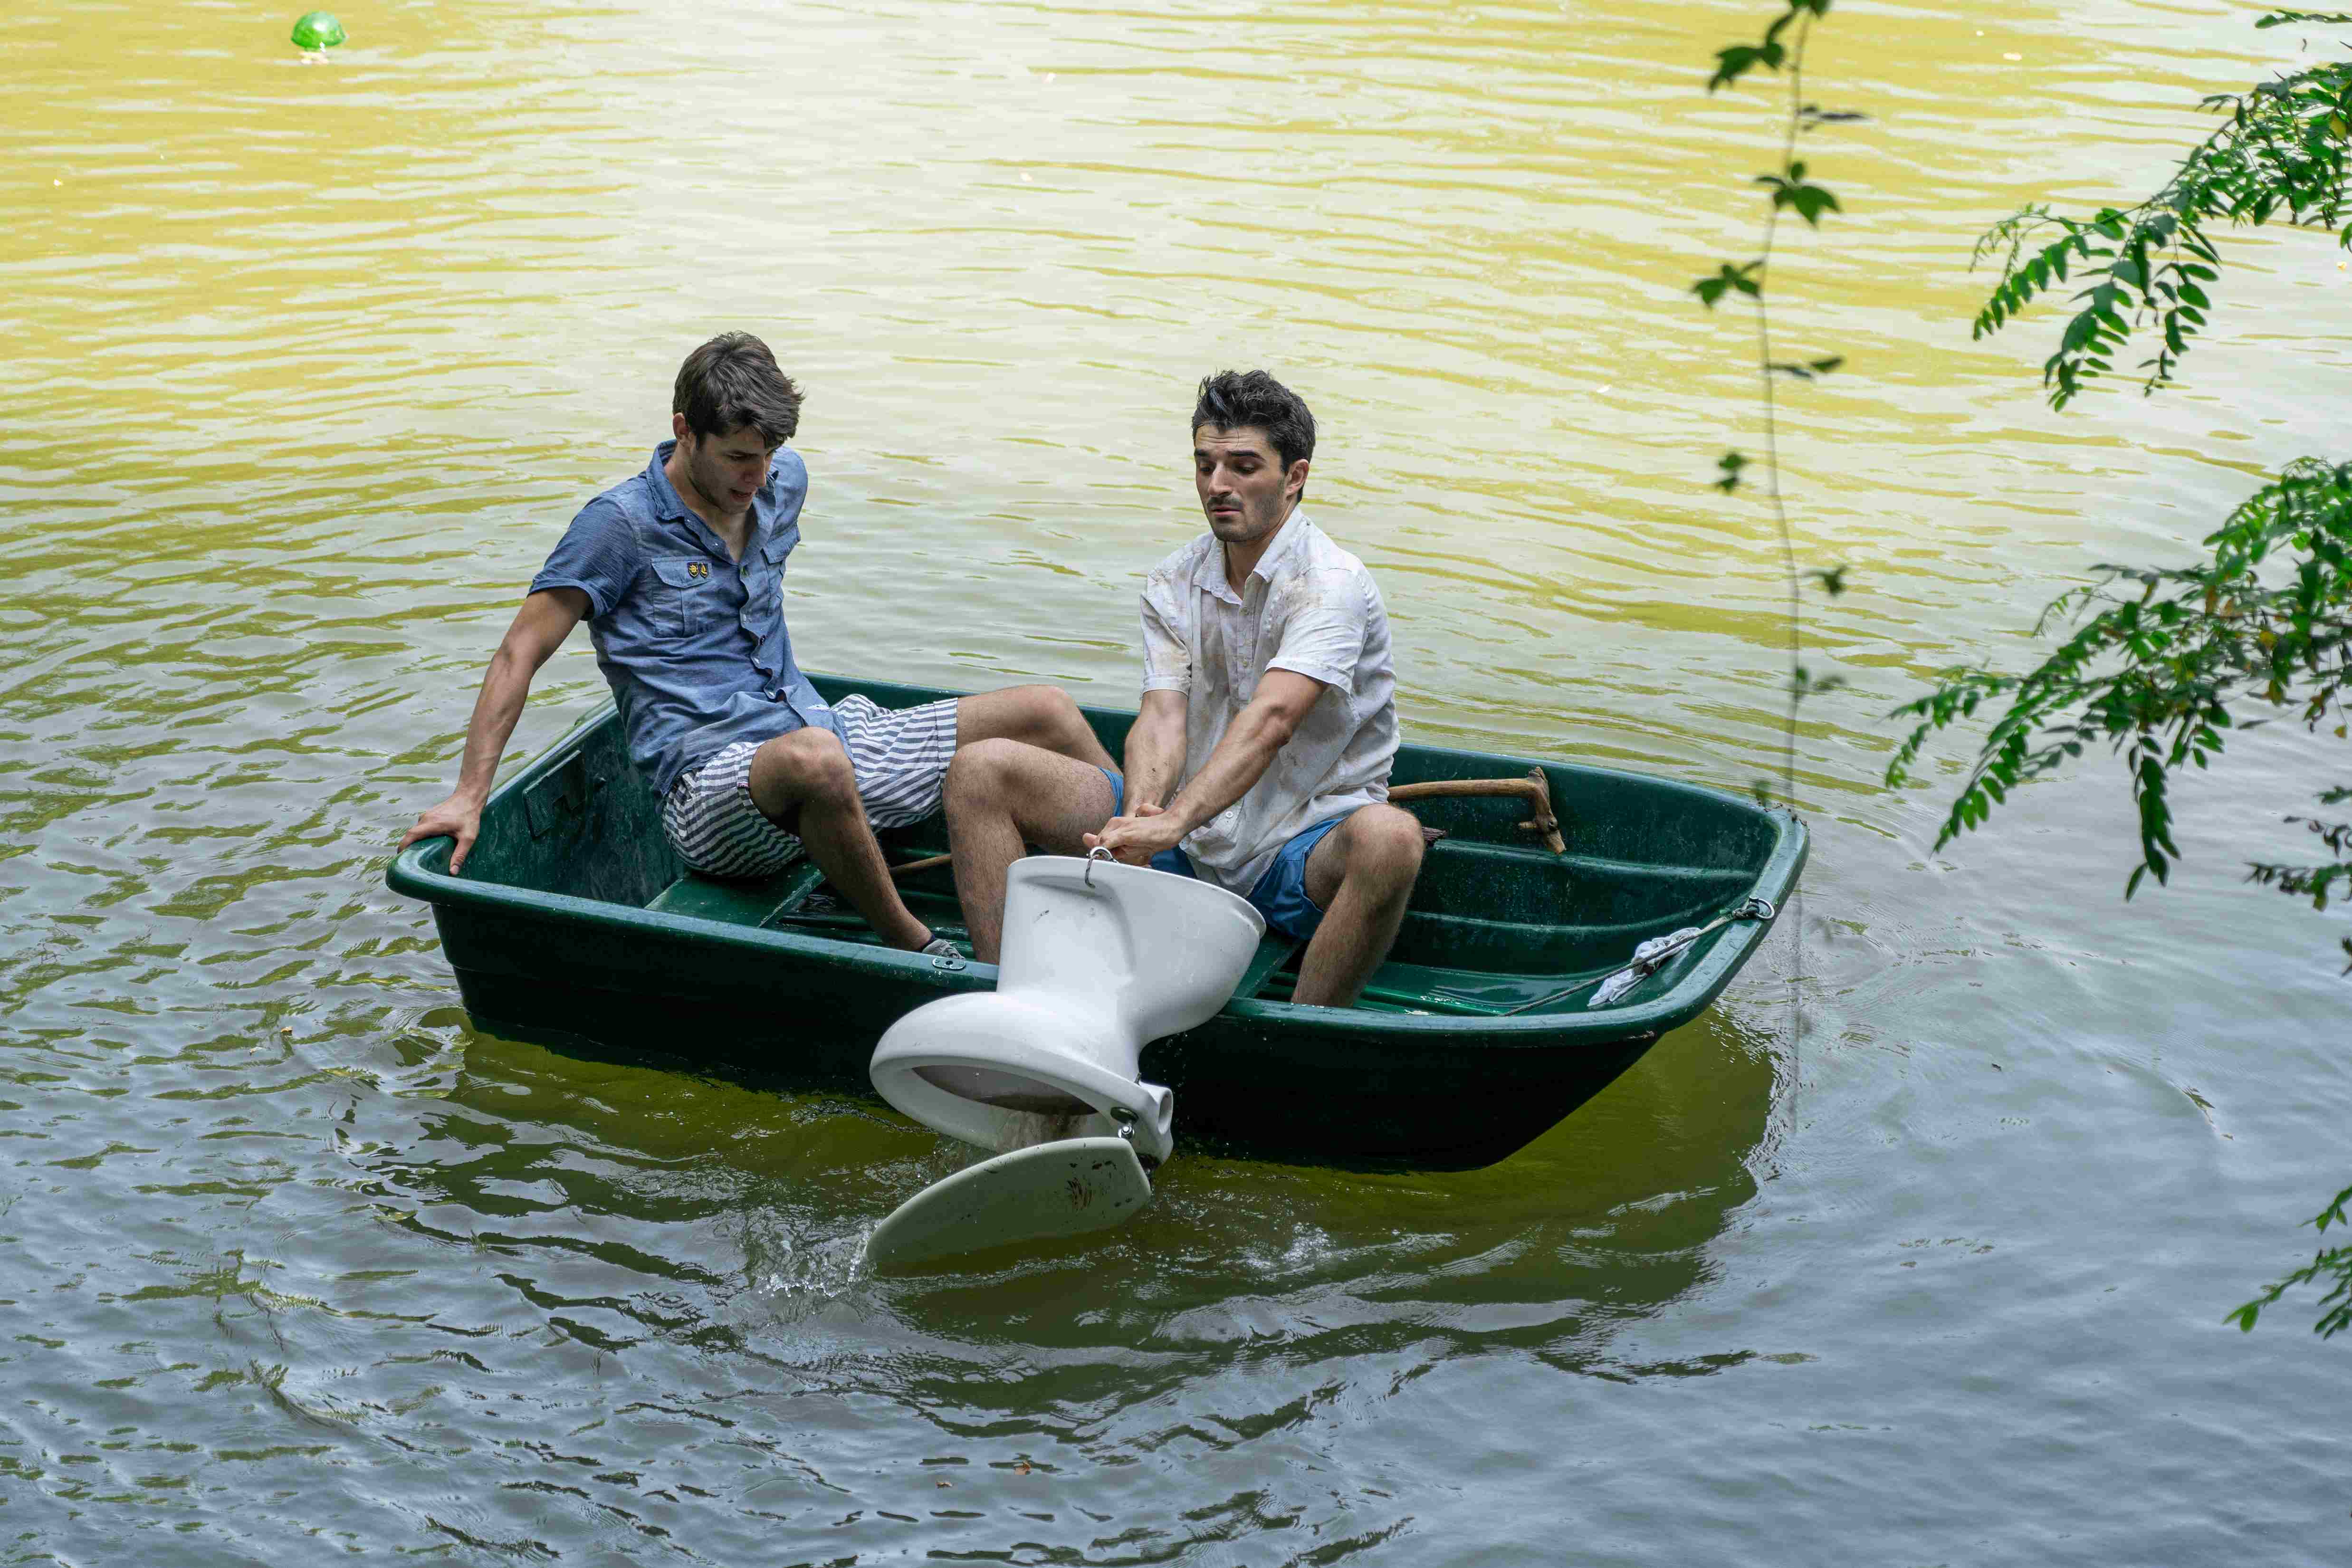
(307, 363)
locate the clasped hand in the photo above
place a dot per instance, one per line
(1134, 840)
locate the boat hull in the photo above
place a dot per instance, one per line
(1241, 1085)
(573, 928)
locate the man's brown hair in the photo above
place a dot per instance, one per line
(733, 381)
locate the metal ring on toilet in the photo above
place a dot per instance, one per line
(1093, 854)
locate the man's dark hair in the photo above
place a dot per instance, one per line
(733, 381)
(1232, 398)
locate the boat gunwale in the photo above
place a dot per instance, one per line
(420, 872)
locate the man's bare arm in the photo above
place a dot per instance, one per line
(1257, 733)
(1155, 750)
(540, 628)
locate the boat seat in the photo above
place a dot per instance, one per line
(1274, 950)
(760, 902)
(1399, 988)
(741, 903)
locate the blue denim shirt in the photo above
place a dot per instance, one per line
(692, 641)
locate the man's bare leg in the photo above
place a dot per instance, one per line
(1041, 716)
(1002, 796)
(1361, 875)
(808, 769)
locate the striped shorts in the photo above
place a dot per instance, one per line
(899, 756)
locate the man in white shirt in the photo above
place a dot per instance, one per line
(1260, 760)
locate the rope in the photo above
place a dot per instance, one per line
(1753, 909)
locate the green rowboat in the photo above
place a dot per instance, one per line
(574, 926)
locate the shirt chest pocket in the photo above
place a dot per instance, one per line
(679, 602)
(763, 575)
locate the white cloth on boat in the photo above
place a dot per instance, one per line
(1648, 959)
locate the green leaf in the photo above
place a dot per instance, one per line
(2284, 152)
(1811, 202)
(1728, 277)
(1737, 61)
(2159, 657)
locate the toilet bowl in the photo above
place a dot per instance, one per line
(1098, 959)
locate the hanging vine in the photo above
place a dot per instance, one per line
(1789, 188)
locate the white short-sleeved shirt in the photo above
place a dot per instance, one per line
(1308, 607)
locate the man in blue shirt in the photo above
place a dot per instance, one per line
(679, 574)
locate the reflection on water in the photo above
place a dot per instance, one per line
(1624, 1199)
(542, 1301)
(307, 364)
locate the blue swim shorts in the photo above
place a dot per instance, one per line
(1280, 894)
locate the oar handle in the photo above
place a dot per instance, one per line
(926, 864)
(1533, 788)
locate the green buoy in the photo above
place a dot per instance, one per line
(317, 30)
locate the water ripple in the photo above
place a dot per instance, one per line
(308, 365)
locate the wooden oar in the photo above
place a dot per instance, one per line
(1535, 789)
(930, 862)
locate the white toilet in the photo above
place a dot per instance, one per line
(1098, 959)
